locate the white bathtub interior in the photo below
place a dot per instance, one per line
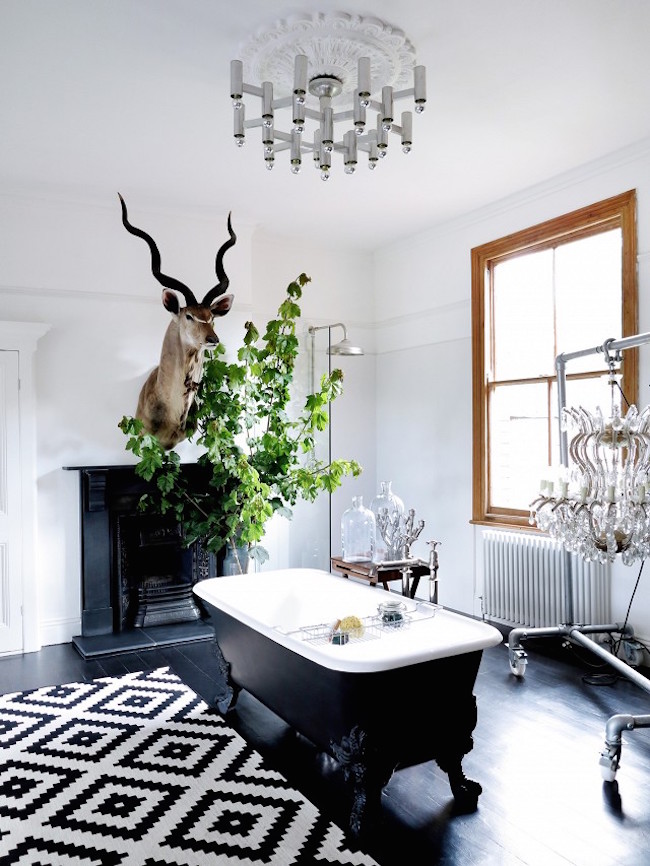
(280, 604)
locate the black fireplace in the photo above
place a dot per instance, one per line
(137, 572)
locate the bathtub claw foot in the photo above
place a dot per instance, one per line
(466, 793)
(225, 699)
(366, 777)
(227, 691)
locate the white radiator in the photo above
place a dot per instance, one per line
(524, 579)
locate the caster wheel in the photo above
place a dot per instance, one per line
(466, 796)
(518, 667)
(608, 772)
(608, 767)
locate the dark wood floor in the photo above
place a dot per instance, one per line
(536, 750)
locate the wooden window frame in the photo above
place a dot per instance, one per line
(616, 212)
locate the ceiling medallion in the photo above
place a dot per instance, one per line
(362, 63)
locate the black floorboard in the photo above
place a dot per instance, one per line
(536, 749)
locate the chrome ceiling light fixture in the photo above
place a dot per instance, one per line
(328, 56)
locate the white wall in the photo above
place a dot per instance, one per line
(424, 381)
(71, 264)
(406, 411)
(340, 291)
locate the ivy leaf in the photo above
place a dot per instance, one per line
(258, 554)
(251, 335)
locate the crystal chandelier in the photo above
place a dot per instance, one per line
(600, 507)
(328, 56)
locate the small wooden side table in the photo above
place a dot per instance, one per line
(373, 573)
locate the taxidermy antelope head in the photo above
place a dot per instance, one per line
(168, 393)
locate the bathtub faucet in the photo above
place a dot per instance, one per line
(433, 572)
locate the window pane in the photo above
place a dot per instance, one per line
(588, 296)
(519, 432)
(523, 317)
(588, 393)
(591, 393)
(518, 443)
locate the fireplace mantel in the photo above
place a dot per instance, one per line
(106, 495)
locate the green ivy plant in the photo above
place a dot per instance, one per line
(259, 459)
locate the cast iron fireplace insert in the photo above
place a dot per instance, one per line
(136, 573)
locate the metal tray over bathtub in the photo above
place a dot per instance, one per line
(372, 627)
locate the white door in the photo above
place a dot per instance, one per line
(11, 621)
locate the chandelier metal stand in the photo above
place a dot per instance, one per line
(600, 510)
(329, 56)
(600, 507)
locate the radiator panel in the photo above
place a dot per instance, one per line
(524, 579)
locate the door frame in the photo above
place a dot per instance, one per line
(23, 337)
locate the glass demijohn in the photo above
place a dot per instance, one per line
(358, 532)
(394, 505)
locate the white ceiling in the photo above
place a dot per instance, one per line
(98, 96)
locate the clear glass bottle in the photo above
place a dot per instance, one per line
(235, 564)
(389, 500)
(358, 532)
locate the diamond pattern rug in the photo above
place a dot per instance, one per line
(138, 770)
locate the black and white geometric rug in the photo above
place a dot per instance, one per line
(137, 770)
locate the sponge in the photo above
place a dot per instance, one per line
(352, 625)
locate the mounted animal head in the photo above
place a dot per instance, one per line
(168, 393)
(195, 318)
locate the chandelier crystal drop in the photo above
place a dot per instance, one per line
(601, 508)
(338, 70)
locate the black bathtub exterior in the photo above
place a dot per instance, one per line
(348, 714)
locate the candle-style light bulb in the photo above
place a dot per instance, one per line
(387, 108)
(238, 130)
(300, 77)
(363, 89)
(267, 103)
(419, 88)
(327, 129)
(236, 80)
(407, 131)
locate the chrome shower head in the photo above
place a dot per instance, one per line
(345, 347)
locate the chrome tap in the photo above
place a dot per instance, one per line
(433, 572)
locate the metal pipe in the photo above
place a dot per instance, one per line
(344, 349)
(516, 635)
(622, 667)
(560, 367)
(613, 345)
(623, 722)
(394, 564)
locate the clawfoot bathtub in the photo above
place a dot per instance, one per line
(385, 695)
